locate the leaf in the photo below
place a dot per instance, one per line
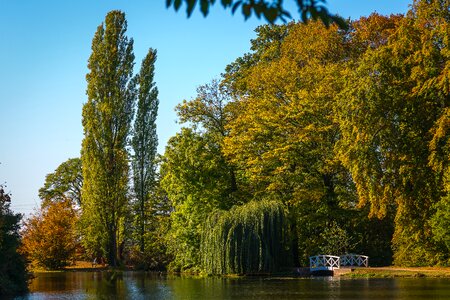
(177, 4)
(324, 17)
(271, 14)
(236, 6)
(227, 3)
(342, 23)
(191, 5)
(168, 3)
(313, 13)
(204, 7)
(246, 10)
(304, 16)
(285, 13)
(258, 8)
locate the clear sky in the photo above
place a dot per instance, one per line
(44, 50)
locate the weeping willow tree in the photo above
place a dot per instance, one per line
(251, 238)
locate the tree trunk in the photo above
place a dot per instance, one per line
(142, 242)
(112, 249)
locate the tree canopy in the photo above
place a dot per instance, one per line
(49, 236)
(64, 183)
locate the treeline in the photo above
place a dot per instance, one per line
(320, 140)
(346, 129)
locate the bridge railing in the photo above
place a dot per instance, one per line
(324, 262)
(354, 260)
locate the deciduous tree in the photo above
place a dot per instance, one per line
(145, 143)
(390, 103)
(196, 181)
(64, 183)
(49, 236)
(107, 117)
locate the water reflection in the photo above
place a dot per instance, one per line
(135, 285)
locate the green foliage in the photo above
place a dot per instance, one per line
(49, 237)
(145, 143)
(13, 275)
(195, 174)
(271, 11)
(196, 181)
(335, 240)
(65, 183)
(252, 238)
(155, 255)
(107, 117)
(440, 223)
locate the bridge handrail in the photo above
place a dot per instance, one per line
(324, 261)
(354, 260)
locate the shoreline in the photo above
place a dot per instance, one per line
(370, 272)
(401, 272)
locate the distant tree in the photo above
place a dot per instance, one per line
(49, 236)
(107, 117)
(145, 142)
(13, 275)
(64, 183)
(271, 10)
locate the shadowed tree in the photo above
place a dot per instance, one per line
(13, 276)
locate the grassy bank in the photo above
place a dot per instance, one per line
(407, 272)
(378, 272)
(81, 266)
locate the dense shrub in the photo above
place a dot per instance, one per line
(13, 276)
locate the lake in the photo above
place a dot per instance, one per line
(137, 285)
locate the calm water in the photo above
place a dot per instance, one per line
(134, 285)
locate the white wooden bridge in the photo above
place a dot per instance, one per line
(322, 262)
(354, 261)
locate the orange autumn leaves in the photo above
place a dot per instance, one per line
(48, 238)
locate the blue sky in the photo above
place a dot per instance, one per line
(44, 50)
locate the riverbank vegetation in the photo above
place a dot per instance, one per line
(319, 140)
(13, 275)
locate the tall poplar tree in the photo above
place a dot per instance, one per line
(107, 117)
(145, 141)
